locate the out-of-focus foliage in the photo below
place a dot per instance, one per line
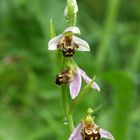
(30, 102)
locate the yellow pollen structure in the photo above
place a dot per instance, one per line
(95, 131)
(89, 132)
(96, 138)
(91, 138)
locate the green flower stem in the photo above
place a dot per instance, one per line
(70, 121)
(64, 91)
(66, 108)
(80, 96)
(64, 98)
(71, 20)
(52, 29)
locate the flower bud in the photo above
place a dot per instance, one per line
(71, 8)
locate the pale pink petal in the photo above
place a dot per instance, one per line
(106, 134)
(73, 29)
(52, 45)
(75, 8)
(82, 45)
(76, 134)
(88, 80)
(75, 85)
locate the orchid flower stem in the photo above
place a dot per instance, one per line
(71, 20)
(64, 98)
(70, 122)
(81, 95)
(66, 108)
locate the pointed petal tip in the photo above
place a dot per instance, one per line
(106, 134)
(73, 91)
(88, 80)
(73, 96)
(95, 86)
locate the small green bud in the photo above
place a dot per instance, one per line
(89, 117)
(71, 11)
(52, 29)
(90, 111)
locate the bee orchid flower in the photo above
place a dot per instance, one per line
(67, 42)
(88, 130)
(74, 79)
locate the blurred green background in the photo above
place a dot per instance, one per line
(30, 102)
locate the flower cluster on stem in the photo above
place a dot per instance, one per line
(71, 75)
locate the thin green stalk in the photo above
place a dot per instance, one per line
(52, 29)
(64, 99)
(64, 91)
(112, 12)
(70, 121)
(66, 108)
(71, 20)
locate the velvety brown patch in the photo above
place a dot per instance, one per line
(63, 78)
(69, 51)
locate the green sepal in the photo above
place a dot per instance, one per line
(52, 29)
